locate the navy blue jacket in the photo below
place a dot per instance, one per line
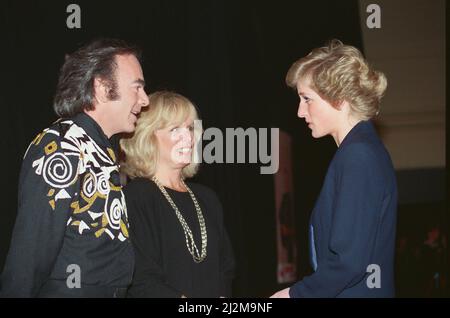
(353, 223)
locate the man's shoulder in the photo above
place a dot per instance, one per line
(50, 139)
(56, 131)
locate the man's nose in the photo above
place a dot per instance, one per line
(143, 99)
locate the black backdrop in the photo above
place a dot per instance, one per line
(229, 57)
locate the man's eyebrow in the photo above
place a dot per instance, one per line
(140, 81)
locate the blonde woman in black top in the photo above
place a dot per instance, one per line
(181, 245)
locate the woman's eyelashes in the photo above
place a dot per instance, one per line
(175, 129)
(306, 99)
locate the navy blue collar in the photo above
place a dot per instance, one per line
(364, 126)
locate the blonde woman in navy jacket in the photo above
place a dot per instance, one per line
(352, 226)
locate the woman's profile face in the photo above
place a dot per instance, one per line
(176, 143)
(320, 116)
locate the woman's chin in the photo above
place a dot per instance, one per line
(315, 134)
(183, 162)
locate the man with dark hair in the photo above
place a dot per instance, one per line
(70, 238)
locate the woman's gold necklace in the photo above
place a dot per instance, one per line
(191, 246)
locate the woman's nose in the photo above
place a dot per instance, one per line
(301, 113)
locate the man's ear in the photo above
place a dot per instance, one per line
(101, 90)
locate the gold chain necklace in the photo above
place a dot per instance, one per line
(191, 246)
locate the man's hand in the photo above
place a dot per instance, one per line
(281, 294)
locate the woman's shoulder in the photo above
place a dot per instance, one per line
(367, 148)
(361, 154)
(363, 144)
(200, 188)
(364, 158)
(360, 148)
(209, 198)
(139, 187)
(203, 191)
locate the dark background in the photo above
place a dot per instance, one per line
(230, 59)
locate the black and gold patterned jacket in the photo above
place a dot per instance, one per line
(72, 216)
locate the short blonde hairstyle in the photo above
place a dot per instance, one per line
(338, 73)
(141, 147)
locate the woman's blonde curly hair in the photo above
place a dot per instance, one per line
(141, 148)
(338, 73)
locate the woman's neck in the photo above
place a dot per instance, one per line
(345, 127)
(170, 178)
